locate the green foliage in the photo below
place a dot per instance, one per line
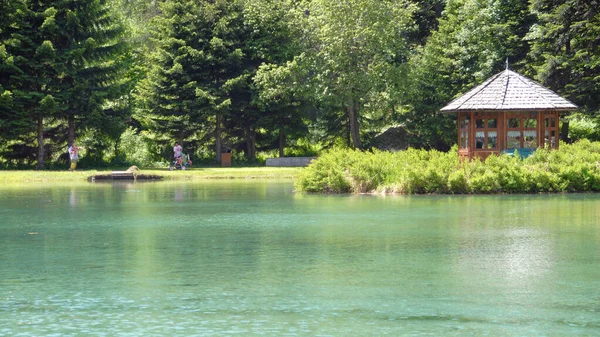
(471, 43)
(300, 76)
(327, 173)
(572, 168)
(565, 53)
(60, 59)
(134, 150)
(410, 171)
(199, 83)
(583, 127)
(302, 148)
(356, 53)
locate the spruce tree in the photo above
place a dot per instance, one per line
(10, 122)
(168, 98)
(197, 75)
(65, 70)
(275, 107)
(473, 41)
(565, 52)
(28, 73)
(92, 66)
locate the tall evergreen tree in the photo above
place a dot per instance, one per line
(284, 103)
(65, 67)
(271, 41)
(473, 41)
(170, 106)
(200, 72)
(11, 122)
(426, 18)
(28, 73)
(565, 50)
(92, 73)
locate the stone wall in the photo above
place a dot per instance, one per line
(289, 161)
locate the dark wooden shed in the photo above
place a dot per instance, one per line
(505, 113)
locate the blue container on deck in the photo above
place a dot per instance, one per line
(522, 152)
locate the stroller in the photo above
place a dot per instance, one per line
(180, 163)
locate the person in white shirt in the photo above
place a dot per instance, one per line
(74, 156)
(177, 150)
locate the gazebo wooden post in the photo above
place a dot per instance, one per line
(540, 129)
(471, 134)
(557, 116)
(458, 126)
(501, 131)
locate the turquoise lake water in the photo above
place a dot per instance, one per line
(253, 258)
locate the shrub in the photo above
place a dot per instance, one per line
(583, 127)
(133, 149)
(326, 174)
(458, 182)
(572, 168)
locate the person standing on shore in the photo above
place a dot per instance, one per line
(74, 156)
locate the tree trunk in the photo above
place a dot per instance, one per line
(352, 110)
(281, 143)
(116, 149)
(250, 144)
(40, 139)
(564, 132)
(71, 130)
(218, 146)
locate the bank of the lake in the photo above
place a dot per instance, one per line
(45, 176)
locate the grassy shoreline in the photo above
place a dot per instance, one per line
(47, 176)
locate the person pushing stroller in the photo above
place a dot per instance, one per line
(177, 150)
(180, 160)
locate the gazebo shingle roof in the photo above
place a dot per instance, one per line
(509, 91)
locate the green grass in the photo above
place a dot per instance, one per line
(34, 176)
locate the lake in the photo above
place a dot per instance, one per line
(253, 258)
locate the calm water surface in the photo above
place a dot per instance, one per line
(250, 258)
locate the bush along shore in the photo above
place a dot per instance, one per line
(572, 168)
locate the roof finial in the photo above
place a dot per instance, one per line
(507, 63)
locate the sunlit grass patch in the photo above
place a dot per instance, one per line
(35, 176)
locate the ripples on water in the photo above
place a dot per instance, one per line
(252, 258)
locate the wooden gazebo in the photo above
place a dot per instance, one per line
(505, 113)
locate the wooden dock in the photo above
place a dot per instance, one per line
(123, 175)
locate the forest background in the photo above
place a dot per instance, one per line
(125, 79)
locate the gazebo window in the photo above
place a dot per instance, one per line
(521, 130)
(486, 130)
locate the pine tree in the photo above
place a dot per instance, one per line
(65, 68)
(565, 52)
(473, 41)
(198, 74)
(168, 96)
(92, 61)
(10, 122)
(279, 102)
(30, 69)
